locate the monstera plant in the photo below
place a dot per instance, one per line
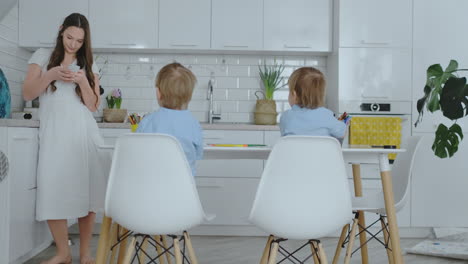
(447, 92)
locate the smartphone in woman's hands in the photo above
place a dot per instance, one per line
(73, 67)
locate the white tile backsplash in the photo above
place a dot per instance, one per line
(236, 77)
(13, 59)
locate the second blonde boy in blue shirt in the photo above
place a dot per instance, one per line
(174, 88)
(308, 116)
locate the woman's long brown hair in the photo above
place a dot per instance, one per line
(84, 56)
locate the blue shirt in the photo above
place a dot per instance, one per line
(311, 122)
(179, 124)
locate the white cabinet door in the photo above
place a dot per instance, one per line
(442, 19)
(237, 25)
(23, 154)
(39, 21)
(375, 74)
(229, 198)
(4, 203)
(438, 187)
(124, 24)
(375, 23)
(184, 24)
(297, 25)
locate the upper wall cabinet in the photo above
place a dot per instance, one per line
(124, 24)
(375, 23)
(184, 24)
(229, 32)
(39, 21)
(297, 25)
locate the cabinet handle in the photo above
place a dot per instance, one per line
(33, 188)
(296, 47)
(123, 44)
(21, 138)
(236, 46)
(208, 185)
(373, 43)
(183, 45)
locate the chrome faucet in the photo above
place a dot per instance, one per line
(211, 115)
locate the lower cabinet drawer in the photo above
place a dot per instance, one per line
(230, 199)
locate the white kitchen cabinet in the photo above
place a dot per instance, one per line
(439, 195)
(4, 203)
(26, 234)
(124, 24)
(446, 20)
(297, 25)
(374, 74)
(184, 24)
(39, 21)
(228, 32)
(375, 23)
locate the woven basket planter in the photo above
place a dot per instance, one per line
(114, 115)
(265, 112)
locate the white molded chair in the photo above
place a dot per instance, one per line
(401, 179)
(151, 191)
(303, 194)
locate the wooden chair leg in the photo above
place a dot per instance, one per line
(164, 242)
(101, 255)
(113, 234)
(315, 253)
(144, 247)
(159, 249)
(344, 231)
(127, 258)
(123, 246)
(352, 235)
(273, 253)
(177, 253)
(387, 240)
(266, 251)
(322, 254)
(191, 252)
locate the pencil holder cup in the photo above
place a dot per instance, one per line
(134, 127)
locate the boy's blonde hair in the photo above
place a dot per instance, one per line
(176, 84)
(308, 84)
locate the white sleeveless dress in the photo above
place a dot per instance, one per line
(72, 174)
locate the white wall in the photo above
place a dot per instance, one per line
(13, 60)
(236, 75)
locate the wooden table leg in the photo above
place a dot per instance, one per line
(361, 220)
(387, 187)
(104, 237)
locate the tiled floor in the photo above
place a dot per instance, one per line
(240, 250)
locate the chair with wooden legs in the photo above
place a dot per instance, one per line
(151, 192)
(374, 203)
(303, 194)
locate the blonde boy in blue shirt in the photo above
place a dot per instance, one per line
(174, 88)
(308, 116)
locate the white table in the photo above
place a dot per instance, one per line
(354, 155)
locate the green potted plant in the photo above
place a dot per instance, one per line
(447, 92)
(111, 114)
(265, 109)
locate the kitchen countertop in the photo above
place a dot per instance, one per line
(205, 126)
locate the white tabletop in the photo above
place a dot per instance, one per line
(351, 154)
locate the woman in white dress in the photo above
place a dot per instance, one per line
(71, 178)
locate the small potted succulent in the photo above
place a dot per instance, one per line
(111, 114)
(265, 109)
